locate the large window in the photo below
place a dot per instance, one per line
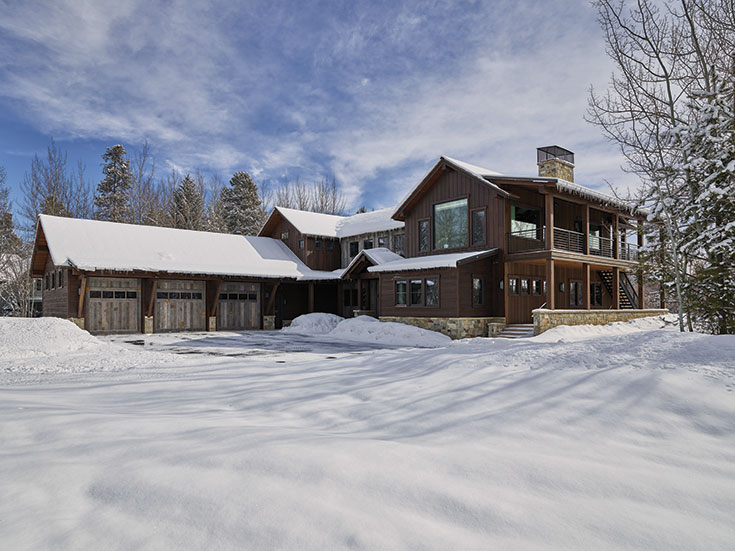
(367, 244)
(478, 227)
(575, 293)
(424, 237)
(477, 291)
(398, 243)
(401, 292)
(431, 292)
(524, 219)
(383, 242)
(450, 224)
(416, 285)
(353, 248)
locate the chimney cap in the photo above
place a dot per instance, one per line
(554, 152)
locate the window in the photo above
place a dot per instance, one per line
(162, 295)
(595, 242)
(39, 285)
(242, 296)
(95, 294)
(301, 243)
(353, 248)
(174, 295)
(401, 293)
(383, 242)
(477, 291)
(523, 219)
(222, 296)
(398, 243)
(318, 244)
(537, 288)
(513, 286)
(367, 244)
(108, 294)
(416, 285)
(119, 294)
(478, 226)
(196, 296)
(185, 296)
(431, 292)
(233, 296)
(525, 286)
(53, 280)
(60, 278)
(48, 279)
(450, 224)
(330, 245)
(284, 236)
(424, 237)
(575, 293)
(596, 294)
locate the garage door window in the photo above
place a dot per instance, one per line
(108, 294)
(95, 294)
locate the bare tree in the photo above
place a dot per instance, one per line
(143, 190)
(324, 197)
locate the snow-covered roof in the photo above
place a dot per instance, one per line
(478, 171)
(377, 257)
(604, 198)
(91, 245)
(368, 222)
(451, 260)
(312, 223)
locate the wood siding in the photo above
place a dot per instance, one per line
(360, 239)
(314, 258)
(241, 307)
(448, 294)
(172, 314)
(117, 313)
(449, 186)
(61, 301)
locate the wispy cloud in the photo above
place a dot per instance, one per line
(372, 93)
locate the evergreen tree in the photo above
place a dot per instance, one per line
(9, 241)
(242, 206)
(112, 199)
(188, 205)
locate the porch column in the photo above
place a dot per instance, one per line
(359, 294)
(549, 212)
(550, 285)
(616, 288)
(640, 290)
(616, 237)
(586, 285)
(586, 229)
(311, 297)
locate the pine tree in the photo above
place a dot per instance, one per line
(242, 206)
(112, 199)
(9, 241)
(188, 205)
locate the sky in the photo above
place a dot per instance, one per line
(372, 93)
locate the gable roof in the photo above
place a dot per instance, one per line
(451, 260)
(307, 222)
(91, 245)
(478, 173)
(368, 222)
(373, 257)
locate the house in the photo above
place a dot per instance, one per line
(468, 252)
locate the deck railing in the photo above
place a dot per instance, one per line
(628, 251)
(601, 246)
(568, 240)
(527, 240)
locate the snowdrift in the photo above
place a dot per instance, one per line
(367, 329)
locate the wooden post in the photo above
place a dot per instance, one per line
(271, 300)
(616, 237)
(82, 292)
(586, 286)
(616, 288)
(586, 229)
(359, 294)
(340, 297)
(506, 278)
(152, 298)
(550, 285)
(215, 301)
(311, 297)
(640, 290)
(549, 212)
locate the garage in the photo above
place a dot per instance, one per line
(180, 306)
(113, 305)
(239, 306)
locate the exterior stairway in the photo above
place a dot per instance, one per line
(517, 331)
(628, 295)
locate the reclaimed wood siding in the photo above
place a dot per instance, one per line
(239, 313)
(56, 301)
(180, 314)
(451, 185)
(316, 259)
(112, 314)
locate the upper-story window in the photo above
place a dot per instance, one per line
(330, 245)
(383, 242)
(398, 240)
(353, 248)
(53, 280)
(318, 244)
(424, 235)
(284, 235)
(478, 226)
(367, 244)
(450, 224)
(301, 243)
(61, 278)
(524, 219)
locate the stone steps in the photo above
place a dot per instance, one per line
(517, 331)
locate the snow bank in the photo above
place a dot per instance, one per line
(317, 323)
(48, 345)
(571, 333)
(367, 329)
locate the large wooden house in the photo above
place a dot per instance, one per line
(468, 252)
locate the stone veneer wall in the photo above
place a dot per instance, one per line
(543, 319)
(456, 328)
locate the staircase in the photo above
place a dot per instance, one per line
(517, 331)
(628, 295)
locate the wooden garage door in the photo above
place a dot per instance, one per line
(180, 306)
(239, 306)
(113, 305)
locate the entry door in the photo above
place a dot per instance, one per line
(239, 306)
(180, 306)
(113, 305)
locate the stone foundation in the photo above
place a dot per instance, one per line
(212, 325)
(456, 328)
(269, 323)
(543, 319)
(79, 322)
(148, 325)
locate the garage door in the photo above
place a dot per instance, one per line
(113, 305)
(180, 306)
(239, 306)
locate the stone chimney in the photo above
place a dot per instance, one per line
(555, 162)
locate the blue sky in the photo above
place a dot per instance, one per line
(372, 92)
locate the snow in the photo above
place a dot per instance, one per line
(368, 329)
(368, 222)
(605, 199)
(478, 171)
(311, 223)
(376, 256)
(97, 245)
(318, 323)
(449, 260)
(619, 440)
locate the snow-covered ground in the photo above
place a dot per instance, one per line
(620, 437)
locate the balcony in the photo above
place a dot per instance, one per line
(566, 240)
